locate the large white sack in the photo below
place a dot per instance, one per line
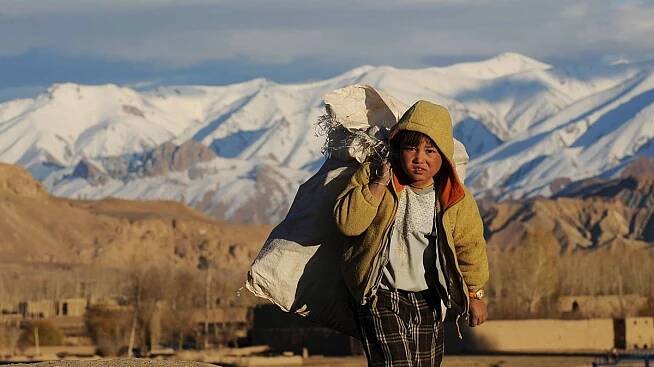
(298, 267)
(461, 159)
(358, 107)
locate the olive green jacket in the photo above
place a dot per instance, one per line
(367, 220)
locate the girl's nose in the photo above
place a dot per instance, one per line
(420, 156)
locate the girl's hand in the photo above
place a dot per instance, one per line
(478, 312)
(380, 177)
(380, 172)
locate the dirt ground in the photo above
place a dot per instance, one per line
(117, 362)
(468, 361)
(317, 361)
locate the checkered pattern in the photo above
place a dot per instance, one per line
(402, 329)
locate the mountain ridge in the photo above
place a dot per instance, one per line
(527, 126)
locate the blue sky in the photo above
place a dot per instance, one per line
(218, 42)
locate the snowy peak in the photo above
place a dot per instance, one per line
(69, 122)
(595, 136)
(74, 90)
(502, 65)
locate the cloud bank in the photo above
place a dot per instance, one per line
(300, 39)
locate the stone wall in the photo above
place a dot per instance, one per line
(552, 336)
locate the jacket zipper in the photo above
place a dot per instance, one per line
(382, 251)
(384, 261)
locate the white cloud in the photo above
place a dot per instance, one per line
(401, 33)
(635, 23)
(577, 11)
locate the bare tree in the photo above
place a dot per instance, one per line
(109, 328)
(145, 289)
(185, 294)
(523, 280)
(9, 336)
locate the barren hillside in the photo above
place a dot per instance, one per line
(591, 213)
(39, 228)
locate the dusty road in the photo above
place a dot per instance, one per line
(469, 361)
(316, 361)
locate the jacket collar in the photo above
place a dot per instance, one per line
(450, 189)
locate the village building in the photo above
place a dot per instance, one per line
(634, 333)
(42, 309)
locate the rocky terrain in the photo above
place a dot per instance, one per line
(591, 213)
(39, 228)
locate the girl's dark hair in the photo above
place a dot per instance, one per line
(407, 138)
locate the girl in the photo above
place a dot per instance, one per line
(415, 243)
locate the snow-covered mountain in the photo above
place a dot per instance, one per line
(240, 151)
(594, 136)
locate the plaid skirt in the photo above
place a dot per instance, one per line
(402, 329)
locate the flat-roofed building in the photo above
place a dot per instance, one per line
(40, 309)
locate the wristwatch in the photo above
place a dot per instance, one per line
(478, 294)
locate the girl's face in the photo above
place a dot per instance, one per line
(420, 163)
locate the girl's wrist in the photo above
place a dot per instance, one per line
(381, 183)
